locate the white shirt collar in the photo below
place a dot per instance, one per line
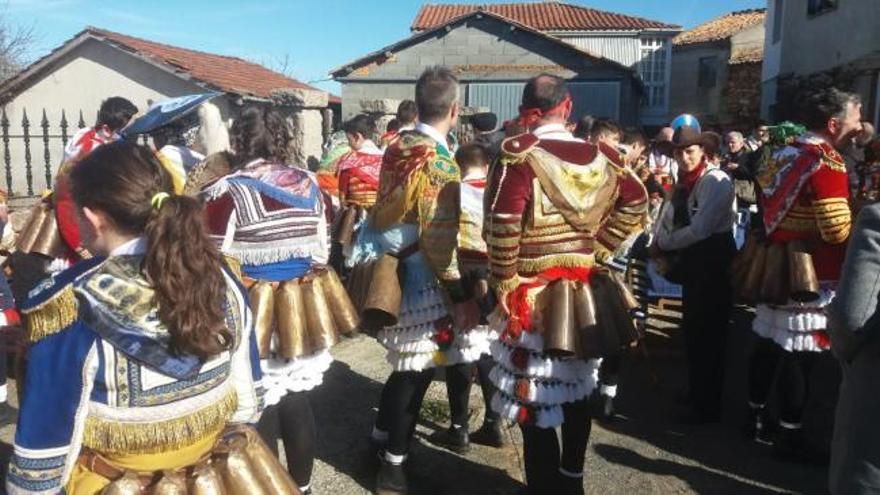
(475, 175)
(136, 246)
(556, 132)
(433, 134)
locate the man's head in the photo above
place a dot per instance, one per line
(734, 141)
(606, 131)
(835, 114)
(359, 130)
(636, 146)
(407, 113)
(691, 147)
(471, 158)
(115, 113)
(546, 97)
(437, 98)
(484, 121)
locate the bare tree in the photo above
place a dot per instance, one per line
(15, 43)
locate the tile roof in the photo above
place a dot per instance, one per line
(226, 73)
(722, 27)
(543, 16)
(748, 55)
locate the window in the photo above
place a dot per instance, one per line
(777, 20)
(653, 70)
(816, 7)
(708, 72)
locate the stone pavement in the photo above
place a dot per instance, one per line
(642, 452)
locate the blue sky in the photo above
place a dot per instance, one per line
(314, 36)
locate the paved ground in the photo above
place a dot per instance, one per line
(643, 452)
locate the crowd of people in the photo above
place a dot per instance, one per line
(180, 301)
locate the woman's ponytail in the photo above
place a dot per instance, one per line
(127, 182)
(183, 266)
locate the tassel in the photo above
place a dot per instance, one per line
(117, 437)
(52, 316)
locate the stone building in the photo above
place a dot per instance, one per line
(716, 70)
(617, 65)
(74, 78)
(818, 43)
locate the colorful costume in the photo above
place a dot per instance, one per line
(557, 204)
(358, 174)
(805, 198)
(272, 219)
(101, 378)
(418, 213)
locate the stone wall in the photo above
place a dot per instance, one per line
(742, 97)
(304, 110)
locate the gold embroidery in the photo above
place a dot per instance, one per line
(117, 437)
(52, 316)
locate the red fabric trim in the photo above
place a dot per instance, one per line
(65, 213)
(517, 301)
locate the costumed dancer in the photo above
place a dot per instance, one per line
(415, 223)
(357, 174)
(792, 273)
(50, 241)
(556, 207)
(473, 264)
(406, 117)
(143, 354)
(272, 218)
(695, 231)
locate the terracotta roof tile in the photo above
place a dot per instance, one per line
(543, 16)
(748, 55)
(229, 74)
(721, 28)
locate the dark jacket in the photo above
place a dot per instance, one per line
(855, 339)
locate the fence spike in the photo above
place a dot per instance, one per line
(7, 156)
(63, 128)
(82, 122)
(47, 157)
(28, 170)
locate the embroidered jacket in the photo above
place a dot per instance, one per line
(471, 245)
(100, 374)
(358, 174)
(557, 203)
(419, 184)
(268, 213)
(805, 196)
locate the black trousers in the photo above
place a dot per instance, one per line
(458, 391)
(542, 453)
(484, 367)
(707, 301)
(292, 421)
(399, 407)
(609, 370)
(793, 384)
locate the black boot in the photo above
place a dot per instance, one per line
(571, 486)
(489, 434)
(391, 479)
(758, 426)
(455, 439)
(791, 445)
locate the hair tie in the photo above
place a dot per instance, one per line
(159, 199)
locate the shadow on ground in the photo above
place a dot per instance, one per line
(725, 458)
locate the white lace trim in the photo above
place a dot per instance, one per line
(295, 375)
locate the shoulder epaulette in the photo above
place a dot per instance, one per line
(515, 148)
(52, 305)
(612, 154)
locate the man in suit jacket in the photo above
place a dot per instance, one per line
(855, 340)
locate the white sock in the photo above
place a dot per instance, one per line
(395, 459)
(608, 390)
(790, 426)
(304, 489)
(569, 474)
(379, 435)
(4, 393)
(756, 406)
